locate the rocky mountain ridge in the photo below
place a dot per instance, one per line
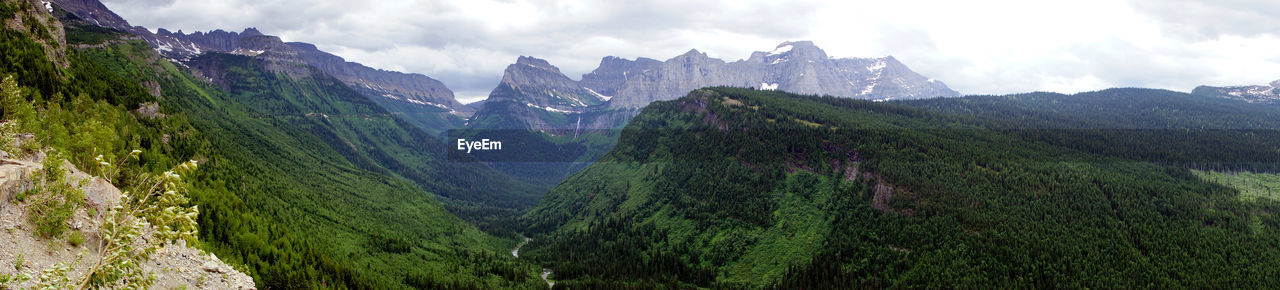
(1268, 94)
(618, 87)
(798, 67)
(407, 90)
(539, 84)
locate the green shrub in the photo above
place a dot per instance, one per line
(53, 200)
(152, 213)
(75, 239)
(8, 134)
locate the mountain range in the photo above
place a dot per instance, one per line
(424, 101)
(535, 95)
(618, 86)
(799, 67)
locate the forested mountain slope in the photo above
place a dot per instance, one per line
(363, 132)
(744, 188)
(275, 198)
(1136, 124)
(276, 187)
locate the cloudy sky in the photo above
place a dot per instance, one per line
(976, 47)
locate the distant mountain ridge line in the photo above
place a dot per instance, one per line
(793, 66)
(771, 70)
(409, 89)
(1267, 94)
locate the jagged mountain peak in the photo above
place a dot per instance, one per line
(536, 82)
(534, 62)
(692, 54)
(802, 50)
(250, 31)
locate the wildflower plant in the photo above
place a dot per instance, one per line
(153, 213)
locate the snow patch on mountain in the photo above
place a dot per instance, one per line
(247, 52)
(550, 109)
(768, 86)
(593, 92)
(879, 65)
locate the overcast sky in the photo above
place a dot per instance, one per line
(976, 47)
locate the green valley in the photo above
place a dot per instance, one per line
(276, 196)
(289, 201)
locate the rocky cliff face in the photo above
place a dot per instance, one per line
(798, 67)
(534, 94)
(1268, 94)
(93, 11)
(217, 40)
(33, 19)
(535, 82)
(614, 72)
(399, 91)
(404, 87)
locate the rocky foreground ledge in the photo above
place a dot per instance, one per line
(22, 252)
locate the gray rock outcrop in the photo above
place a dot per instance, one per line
(535, 82)
(174, 265)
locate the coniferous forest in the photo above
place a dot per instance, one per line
(306, 183)
(821, 192)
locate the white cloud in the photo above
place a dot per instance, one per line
(990, 47)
